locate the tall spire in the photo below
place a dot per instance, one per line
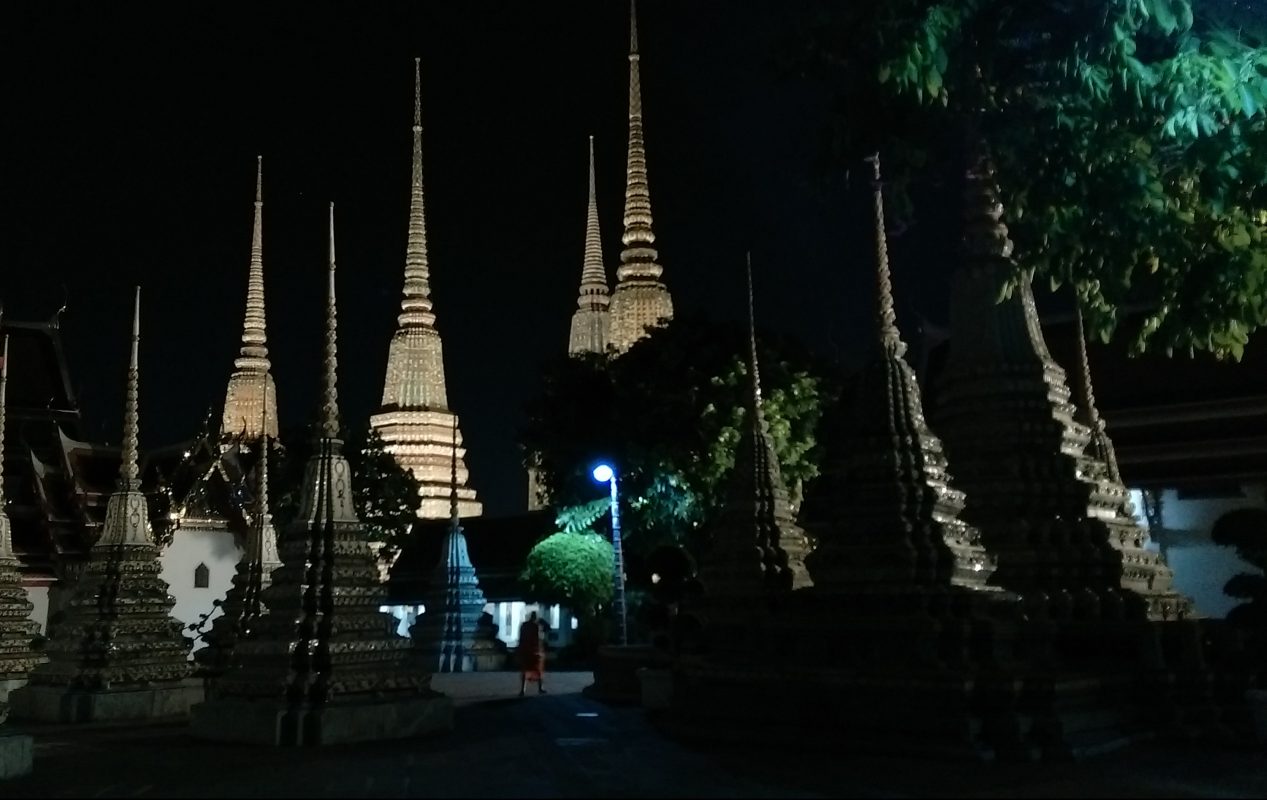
(590, 322)
(129, 470)
(414, 417)
(638, 257)
(593, 273)
(641, 300)
(415, 305)
(330, 390)
(886, 320)
(4, 380)
(251, 385)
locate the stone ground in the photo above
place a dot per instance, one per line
(564, 745)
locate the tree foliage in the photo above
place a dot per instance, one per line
(1130, 138)
(571, 569)
(667, 415)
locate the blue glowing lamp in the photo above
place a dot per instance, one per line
(603, 473)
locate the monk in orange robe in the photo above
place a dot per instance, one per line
(532, 654)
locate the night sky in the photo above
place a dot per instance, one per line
(130, 157)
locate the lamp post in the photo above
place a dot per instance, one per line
(604, 473)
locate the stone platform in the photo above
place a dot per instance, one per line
(16, 754)
(616, 680)
(58, 704)
(282, 724)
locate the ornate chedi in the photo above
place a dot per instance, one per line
(449, 633)
(242, 604)
(1144, 571)
(323, 665)
(590, 321)
(890, 516)
(641, 300)
(16, 629)
(1049, 514)
(117, 653)
(252, 396)
(758, 550)
(415, 419)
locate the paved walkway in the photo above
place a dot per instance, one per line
(564, 745)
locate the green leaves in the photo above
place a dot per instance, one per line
(572, 569)
(1131, 141)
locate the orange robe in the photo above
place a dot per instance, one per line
(532, 655)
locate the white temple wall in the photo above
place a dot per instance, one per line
(1201, 567)
(508, 616)
(192, 547)
(38, 595)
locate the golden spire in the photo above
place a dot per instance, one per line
(415, 305)
(251, 385)
(1100, 446)
(254, 340)
(593, 274)
(638, 259)
(129, 470)
(886, 320)
(330, 391)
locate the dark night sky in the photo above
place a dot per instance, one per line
(131, 139)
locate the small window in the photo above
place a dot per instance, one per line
(202, 577)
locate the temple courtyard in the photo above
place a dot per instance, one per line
(564, 745)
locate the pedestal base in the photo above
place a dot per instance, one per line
(277, 723)
(58, 704)
(16, 754)
(616, 673)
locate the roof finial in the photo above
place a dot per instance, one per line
(633, 29)
(1086, 394)
(128, 468)
(453, 485)
(330, 393)
(415, 304)
(752, 341)
(418, 94)
(886, 321)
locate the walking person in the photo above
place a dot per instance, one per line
(532, 655)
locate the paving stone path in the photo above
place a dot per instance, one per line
(565, 745)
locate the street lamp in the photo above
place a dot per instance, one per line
(603, 473)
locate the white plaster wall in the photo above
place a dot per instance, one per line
(38, 595)
(1202, 567)
(189, 548)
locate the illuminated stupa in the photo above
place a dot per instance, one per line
(591, 321)
(251, 398)
(414, 419)
(323, 664)
(640, 300)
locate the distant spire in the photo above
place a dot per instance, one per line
(886, 320)
(639, 257)
(254, 337)
(129, 471)
(593, 274)
(330, 393)
(415, 305)
(752, 343)
(456, 520)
